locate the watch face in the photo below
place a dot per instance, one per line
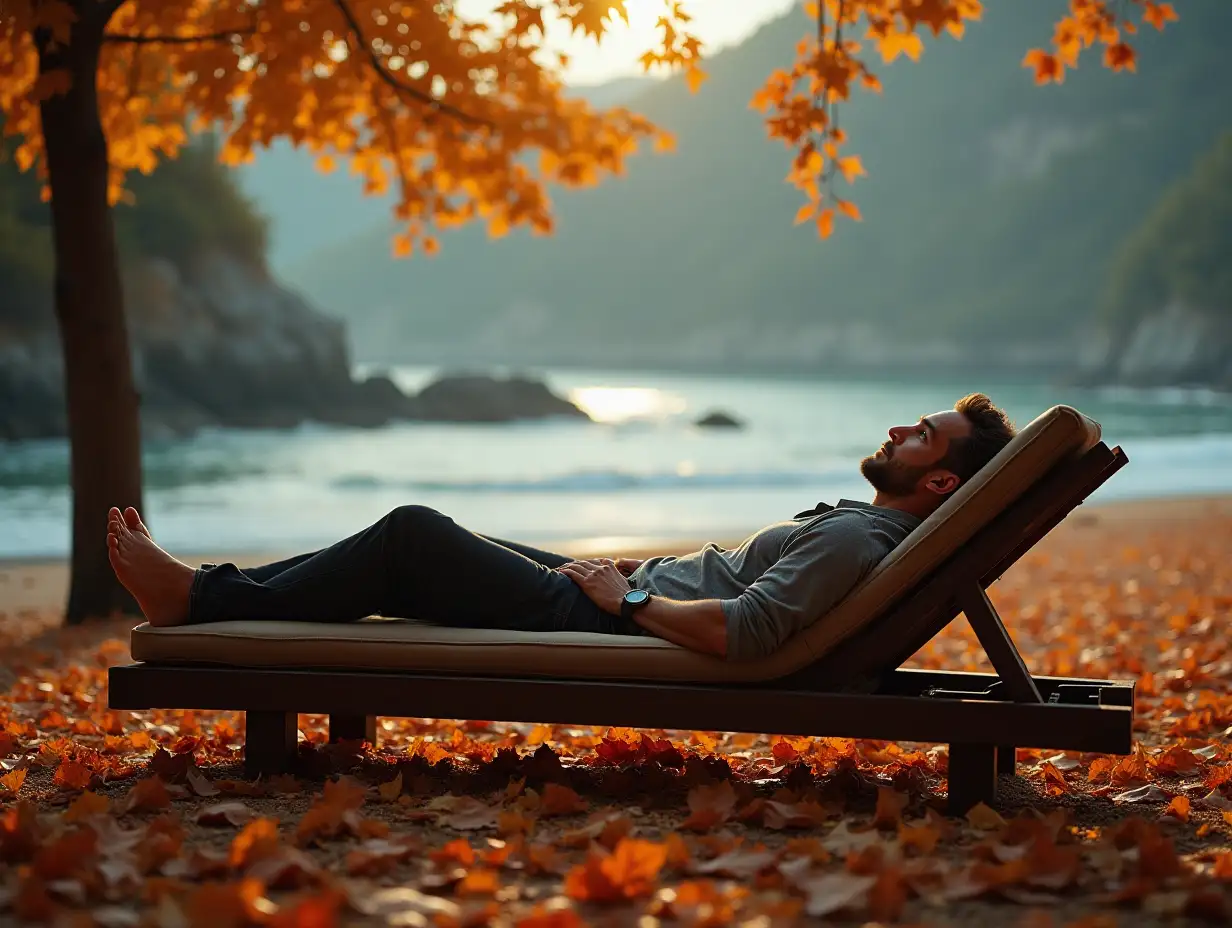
(636, 597)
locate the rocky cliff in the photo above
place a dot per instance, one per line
(1179, 345)
(224, 344)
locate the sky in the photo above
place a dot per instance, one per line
(718, 23)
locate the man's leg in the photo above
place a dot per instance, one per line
(415, 563)
(538, 555)
(266, 572)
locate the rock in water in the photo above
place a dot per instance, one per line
(223, 344)
(483, 398)
(718, 419)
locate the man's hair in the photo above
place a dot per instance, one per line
(991, 430)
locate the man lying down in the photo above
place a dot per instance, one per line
(739, 603)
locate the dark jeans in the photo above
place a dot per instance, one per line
(415, 563)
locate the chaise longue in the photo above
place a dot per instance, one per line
(842, 676)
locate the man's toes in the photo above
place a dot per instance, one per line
(132, 518)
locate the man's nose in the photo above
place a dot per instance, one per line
(896, 433)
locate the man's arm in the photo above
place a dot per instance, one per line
(698, 626)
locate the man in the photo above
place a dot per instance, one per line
(740, 603)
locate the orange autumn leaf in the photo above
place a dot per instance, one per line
(710, 805)
(1158, 14)
(627, 872)
(1120, 56)
(1178, 808)
(890, 805)
(257, 840)
(560, 800)
(147, 795)
(1100, 769)
(11, 781)
(1048, 68)
(226, 904)
(72, 775)
(480, 881)
(86, 805)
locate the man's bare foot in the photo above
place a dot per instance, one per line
(133, 520)
(158, 582)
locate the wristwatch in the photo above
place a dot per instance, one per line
(633, 601)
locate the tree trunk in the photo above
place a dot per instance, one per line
(102, 403)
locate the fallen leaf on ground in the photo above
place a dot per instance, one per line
(199, 785)
(225, 813)
(833, 892)
(1148, 793)
(710, 805)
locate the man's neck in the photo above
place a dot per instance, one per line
(912, 505)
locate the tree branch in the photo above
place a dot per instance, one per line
(403, 89)
(139, 39)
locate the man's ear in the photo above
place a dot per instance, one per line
(942, 482)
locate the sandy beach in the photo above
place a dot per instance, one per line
(35, 589)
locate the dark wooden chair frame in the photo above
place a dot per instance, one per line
(857, 690)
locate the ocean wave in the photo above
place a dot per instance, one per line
(593, 481)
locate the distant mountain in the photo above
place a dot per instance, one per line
(310, 210)
(992, 209)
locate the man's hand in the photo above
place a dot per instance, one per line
(601, 580)
(626, 565)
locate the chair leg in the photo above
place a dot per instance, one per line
(353, 728)
(1006, 761)
(972, 777)
(270, 742)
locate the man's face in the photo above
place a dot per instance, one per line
(908, 459)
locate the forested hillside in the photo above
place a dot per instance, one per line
(187, 208)
(1182, 250)
(992, 210)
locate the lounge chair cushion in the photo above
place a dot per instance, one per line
(406, 645)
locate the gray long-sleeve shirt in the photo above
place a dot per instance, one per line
(784, 577)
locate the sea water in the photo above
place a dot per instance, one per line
(641, 470)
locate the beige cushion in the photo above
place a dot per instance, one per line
(397, 644)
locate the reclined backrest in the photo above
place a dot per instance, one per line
(1057, 434)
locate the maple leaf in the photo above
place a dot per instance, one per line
(86, 805)
(710, 805)
(803, 814)
(984, 818)
(919, 838)
(560, 800)
(1159, 14)
(199, 785)
(1120, 57)
(896, 43)
(457, 851)
(72, 775)
(739, 863)
(466, 813)
(480, 881)
(1178, 808)
(1048, 68)
(257, 840)
(146, 795)
(11, 781)
(627, 872)
(225, 813)
(378, 856)
(226, 904)
(835, 891)
(890, 805)
(1148, 793)
(391, 789)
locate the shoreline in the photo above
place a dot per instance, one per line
(40, 584)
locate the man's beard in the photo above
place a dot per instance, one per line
(887, 476)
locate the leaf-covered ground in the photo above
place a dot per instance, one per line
(117, 818)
